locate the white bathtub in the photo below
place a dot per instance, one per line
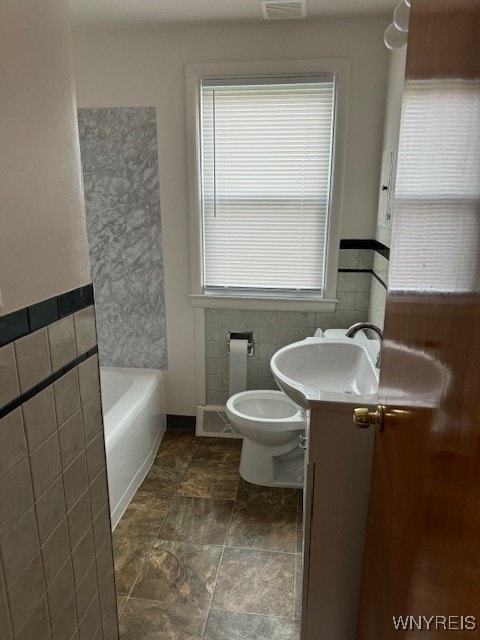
(134, 416)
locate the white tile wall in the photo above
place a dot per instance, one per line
(9, 388)
(33, 359)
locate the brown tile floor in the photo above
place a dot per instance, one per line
(201, 554)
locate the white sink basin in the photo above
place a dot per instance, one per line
(332, 370)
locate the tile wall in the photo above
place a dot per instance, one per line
(122, 199)
(273, 330)
(56, 569)
(378, 294)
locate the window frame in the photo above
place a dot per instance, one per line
(195, 73)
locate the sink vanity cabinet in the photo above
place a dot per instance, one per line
(338, 471)
(330, 378)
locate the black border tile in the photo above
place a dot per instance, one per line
(374, 245)
(87, 295)
(364, 271)
(20, 323)
(69, 302)
(43, 313)
(357, 244)
(379, 279)
(355, 271)
(4, 411)
(43, 385)
(383, 250)
(13, 326)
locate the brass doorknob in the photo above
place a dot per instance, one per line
(364, 418)
(382, 416)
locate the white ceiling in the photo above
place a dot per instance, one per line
(117, 13)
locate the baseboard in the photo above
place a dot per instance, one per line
(185, 424)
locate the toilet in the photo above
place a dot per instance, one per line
(271, 425)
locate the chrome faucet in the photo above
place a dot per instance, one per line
(366, 325)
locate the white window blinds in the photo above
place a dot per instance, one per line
(437, 191)
(266, 168)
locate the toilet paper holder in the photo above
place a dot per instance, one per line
(243, 335)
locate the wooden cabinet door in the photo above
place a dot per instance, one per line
(422, 553)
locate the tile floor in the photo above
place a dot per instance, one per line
(202, 554)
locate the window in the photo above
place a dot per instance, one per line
(437, 190)
(266, 152)
(289, 175)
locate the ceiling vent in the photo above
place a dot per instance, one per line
(283, 10)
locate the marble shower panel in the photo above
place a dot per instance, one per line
(122, 198)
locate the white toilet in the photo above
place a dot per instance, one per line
(271, 425)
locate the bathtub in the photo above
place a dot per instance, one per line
(133, 402)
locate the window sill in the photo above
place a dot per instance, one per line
(264, 303)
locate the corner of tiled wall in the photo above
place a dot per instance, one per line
(378, 295)
(56, 565)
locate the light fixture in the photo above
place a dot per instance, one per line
(396, 34)
(393, 38)
(401, 16)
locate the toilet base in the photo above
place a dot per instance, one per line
(267, 466)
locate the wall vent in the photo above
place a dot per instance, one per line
(283, 10)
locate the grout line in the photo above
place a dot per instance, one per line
(155, 538)
(219, 568)
(129, 593)
(147, 555)
(254, 613)
(40, 544)
(196, 606)
(285, 553)
(219, 565)
(213, 590)
(194, 450)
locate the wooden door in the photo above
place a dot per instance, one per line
(422, 553)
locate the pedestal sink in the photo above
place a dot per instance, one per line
(330, 377)
(328, 369)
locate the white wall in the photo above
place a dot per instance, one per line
(43, 238)
(391, 133)
(393, 113)
(145, 67)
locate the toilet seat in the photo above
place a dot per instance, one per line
(270, 410)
